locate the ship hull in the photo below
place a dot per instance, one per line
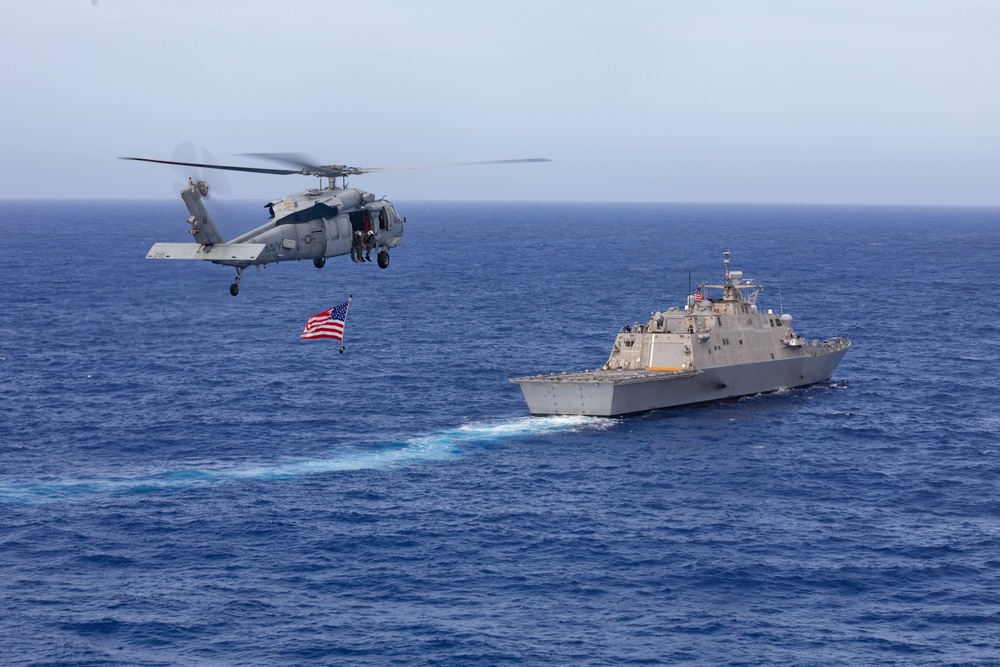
(614, 393)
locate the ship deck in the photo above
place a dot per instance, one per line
(614, 377)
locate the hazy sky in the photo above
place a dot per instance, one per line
(840, 101)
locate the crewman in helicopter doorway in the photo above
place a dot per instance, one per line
(370, 241)
(356, 246)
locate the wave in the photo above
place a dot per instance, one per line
(439, 446)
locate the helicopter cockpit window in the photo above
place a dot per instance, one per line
(383, 220)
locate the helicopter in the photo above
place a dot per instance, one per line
(314, 224)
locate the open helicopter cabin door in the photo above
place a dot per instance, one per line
(361, 221)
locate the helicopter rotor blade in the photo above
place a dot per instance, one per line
(306, 168)
(335, 170)
(308, 165)
(294, 159)
(455, 164)
(255, 170)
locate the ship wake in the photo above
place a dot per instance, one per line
(438, 446)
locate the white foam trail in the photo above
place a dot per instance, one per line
(439, 446)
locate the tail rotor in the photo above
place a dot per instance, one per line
(212, 185)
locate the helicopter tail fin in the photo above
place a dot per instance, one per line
(202, 227)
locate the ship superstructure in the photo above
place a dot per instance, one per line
(712, 349)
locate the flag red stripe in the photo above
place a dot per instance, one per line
(326, 331)
(333, 326)
(319, 335)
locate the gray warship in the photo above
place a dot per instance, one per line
(710, 351)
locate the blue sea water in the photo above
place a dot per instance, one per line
(185, 481)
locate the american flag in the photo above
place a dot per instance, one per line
(698, 296)
(328, 324)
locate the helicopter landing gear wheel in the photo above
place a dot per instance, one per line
(383, 259)
(319, 262)
(234, 289)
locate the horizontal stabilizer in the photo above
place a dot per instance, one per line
(219, 252)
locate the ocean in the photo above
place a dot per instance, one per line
(184, 481)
